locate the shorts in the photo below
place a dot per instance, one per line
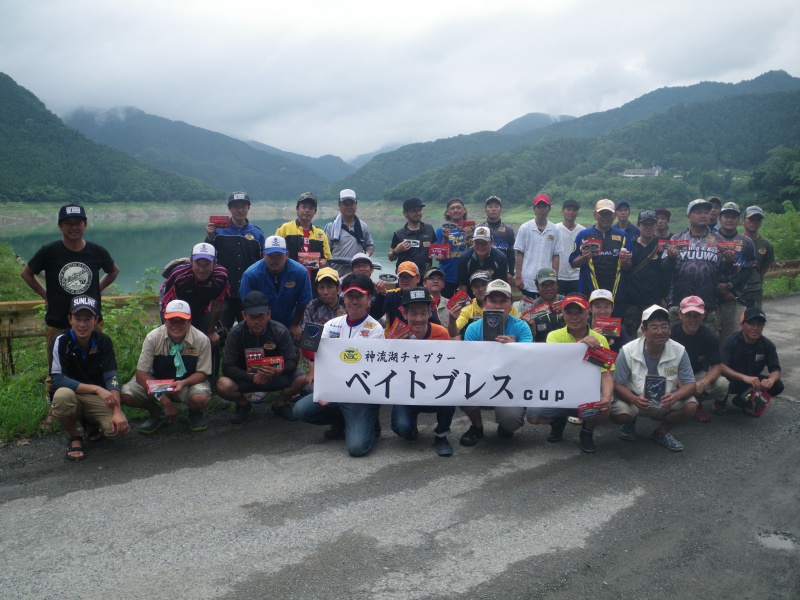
(132, 388)
(549, 413)
(67, 403)
(281, 382)
(620, 407)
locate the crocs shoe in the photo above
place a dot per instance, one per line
(152, 425)
(627, 431)
(197, 422)
(258, 398)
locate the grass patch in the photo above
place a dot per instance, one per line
(777, 287)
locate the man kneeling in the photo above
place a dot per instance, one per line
(258, 337)
(84, 376)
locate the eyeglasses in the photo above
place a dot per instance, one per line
(659, 327)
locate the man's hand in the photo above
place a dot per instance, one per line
(211, 230)
(519, 282)
(672, 252)
(107, 397)
(265, 374)
(213, 337)
(401, 247)
(170, 410)
(119, 424)
(380, 287)
(591, 341)
(505, 339)
(753, 382)
(640, 402)
(604, 405)
(668, 400)
(296, 333)
(729, 256)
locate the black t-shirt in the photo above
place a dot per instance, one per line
(702, 347)
(421, 240)
(68, 274)
(749, 359)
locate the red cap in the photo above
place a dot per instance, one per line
(693, 304)
(541, 198)
(575, 299)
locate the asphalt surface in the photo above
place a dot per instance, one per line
(272, 510)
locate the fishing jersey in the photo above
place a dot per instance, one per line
(602, 272)
(237, 249)
(503, 240)
(696, 271)
(452, 235)
(183, 285)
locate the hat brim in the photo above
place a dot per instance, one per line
(256, 310)
(275, 251)
(206, 256)
(178, 315)
(355, 288)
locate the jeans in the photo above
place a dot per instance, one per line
(404, 419)
(359, 421)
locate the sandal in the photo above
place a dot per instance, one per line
(78, 448)
(701, 415)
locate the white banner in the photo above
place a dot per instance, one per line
(442, 373)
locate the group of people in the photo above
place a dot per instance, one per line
(681, 313)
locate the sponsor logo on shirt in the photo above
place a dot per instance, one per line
(290, 284)
(249, 236)
(369, 325)
(672, 371)
(75, 278)
(616, 238)
(269, 346)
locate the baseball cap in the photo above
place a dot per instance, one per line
(623, 203)
(408, 267)
(754, 313)
(416, 294)
(178, 309)
(238, 197)
(498, 285)
(83, 302)
(307, 197)
(546, 274)
(570, 204)
(255, 303)
(482, 233)
(693, 304)
(577, 299)
(605, 204)
(433, 271)
(664, 211)
(480, 276)
(204, 250)
(327, 273)
(360, 256)
(273, 244)
(699, 203)
(359, 283)
(730, 207)
(647, 215)
(491, 199)
(753, 210)
(412, 203)
(601, 295)
(653, 310)
(71, 210)
(541, 198)
(347, 195)
(714, 200)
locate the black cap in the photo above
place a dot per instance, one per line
(623, 203)
(307, 197)
(238, 197)
(412, 203)
(754, 313)
(71, 210)
(570, 204)
(416, 294)
(83, 302)
(647, 214)
(491, 199)
(715, 200)
(255, 303)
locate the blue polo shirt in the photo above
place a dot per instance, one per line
(287, 291)
(514, 326)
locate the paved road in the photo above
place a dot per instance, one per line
(272, 510)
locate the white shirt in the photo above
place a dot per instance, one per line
(538, 248)
(565, 271)
(338, 328)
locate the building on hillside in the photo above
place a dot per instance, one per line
(631, 173)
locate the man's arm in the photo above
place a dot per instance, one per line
(710, 377)
(556, 262)
(33, 283)
(213, 320)
(108, 278)
(520, 257)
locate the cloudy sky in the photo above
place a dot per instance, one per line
(348, 77)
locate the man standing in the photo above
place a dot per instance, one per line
(238, 246)
(623, 212)
(644, 285)
(71, 268)
(481, 257)
(283, 281)
(745, 355)
(502, 233)
(765, 256)
(703, 350)
(602, 268)
(662, 224)
(259, 337)
(181, 354)
(84, 375)
(695, 271)
(568, 276)
(348, 235)
(304, 237)
(412, 241)
(203, 284)
(417, 306)
(735, 272)
(355, 422)
(713, 215)
(670, 397)
(538, 245)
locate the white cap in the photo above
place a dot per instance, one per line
(361, 256)
(347, 195)
(273, 244)
(178, 308)
(204, 250)
(601, 295)
(498, 285)
(482, 233)
(649, 312)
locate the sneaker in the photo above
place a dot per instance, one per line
(442, 445)
(152, 425)
(720, 407)
(557, 430)
(587, 441)
(258, 398)
(239, 415)
(197, 422)
(627, 431)
(284, 411)
(504, 434)
(471, 436)
(668, 441)
(701, 415)
(336, 432)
